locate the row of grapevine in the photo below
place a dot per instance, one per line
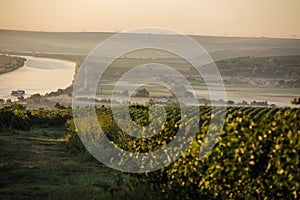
(256, 156)
(17, 117)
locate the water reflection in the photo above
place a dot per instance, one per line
(38, 75)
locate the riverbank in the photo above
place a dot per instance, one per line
(58, 56)
(10, 63)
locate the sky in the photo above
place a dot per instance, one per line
(268, 18)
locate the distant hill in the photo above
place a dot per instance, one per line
(83, 42)
(276, 71)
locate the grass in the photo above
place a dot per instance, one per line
(36, 165)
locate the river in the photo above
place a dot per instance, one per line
(38, 75)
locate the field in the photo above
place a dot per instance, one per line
(257, 156)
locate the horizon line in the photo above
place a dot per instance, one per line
(292, 37)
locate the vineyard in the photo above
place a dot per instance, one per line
(256, 156)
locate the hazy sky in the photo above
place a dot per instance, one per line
(270, 18)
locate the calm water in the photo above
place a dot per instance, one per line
(38, 75)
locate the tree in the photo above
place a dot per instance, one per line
(296, 101)
(142, 93)
(36, 97)
(8, 101)
(230, 102)
(58, 106)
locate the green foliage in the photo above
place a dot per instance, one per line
(17, 117)
(50, 117)
(296, 101)
(251, 160)
(14, 117)
(74, 144)
(256, 157)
